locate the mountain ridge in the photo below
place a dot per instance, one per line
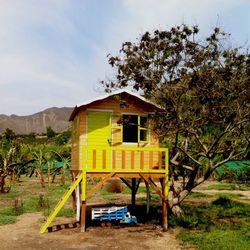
(55, 117)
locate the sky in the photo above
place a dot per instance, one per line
(53, 53)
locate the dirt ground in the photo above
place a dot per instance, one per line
(25, 235)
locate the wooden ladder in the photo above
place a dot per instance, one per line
(61, 203)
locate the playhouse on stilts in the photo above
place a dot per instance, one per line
(113, 136)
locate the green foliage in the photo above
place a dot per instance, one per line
(227, 186)
(6, 219)
(30, 204)
(153, 198)
(222, 239)
(66, 212)
(50, 132)
(229, 195)
(240, 175)
(140, 190)
(43, 202)
(7, 212)
(63, 138)
(18, 207)
(197, 195)
(126, 190)
(221, 225)
(30, 155)
(11, 194)
(9, 134)
(203, 85)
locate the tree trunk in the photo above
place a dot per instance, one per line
(2, 182)
(40, 176)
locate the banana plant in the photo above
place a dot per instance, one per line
(61, 170)
(6, 164)
(39, 157)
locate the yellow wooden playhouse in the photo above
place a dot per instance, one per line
(113, 136)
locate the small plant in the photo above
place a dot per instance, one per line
(42, 202)
(18, 207)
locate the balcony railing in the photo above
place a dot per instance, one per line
(125, 159)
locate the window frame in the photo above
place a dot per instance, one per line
(139, 128)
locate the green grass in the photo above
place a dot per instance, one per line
(218, 239)
(14, 194)
(7, 216)
(153, 198)
(6, 219)
(104, 192)
(127, 190)
(66, 212)
(197, 195)
(229, 196)
(7, 212)
(227, 186)
(107, 195)
(223, 224)
(27, 196)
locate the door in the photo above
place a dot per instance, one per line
(99, 136)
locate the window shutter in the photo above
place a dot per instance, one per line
(116, 130)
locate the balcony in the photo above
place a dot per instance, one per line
(124, 160)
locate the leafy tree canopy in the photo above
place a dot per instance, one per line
(204, 86)
(50, 132)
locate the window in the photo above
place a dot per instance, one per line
(135, 128)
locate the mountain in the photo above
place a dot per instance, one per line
(56, 118)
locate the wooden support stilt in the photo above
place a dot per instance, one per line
(137, 185)
(126, 182)
(164, 206)
(73, 178)
(153, 185)
(148, 197)
(83, 216)
(78, 202)
(133, 191)
(83, 202)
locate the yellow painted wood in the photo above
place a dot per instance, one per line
(61, 203)
(124, 164)
(136, 170)
(142, 128)
(99, 134)
(166, 176)
(84, 185)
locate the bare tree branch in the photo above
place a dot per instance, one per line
(189, 156)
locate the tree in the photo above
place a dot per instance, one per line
(9, 134)
(204, 87)
(50, 132)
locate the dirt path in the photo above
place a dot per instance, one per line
(24, 235)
